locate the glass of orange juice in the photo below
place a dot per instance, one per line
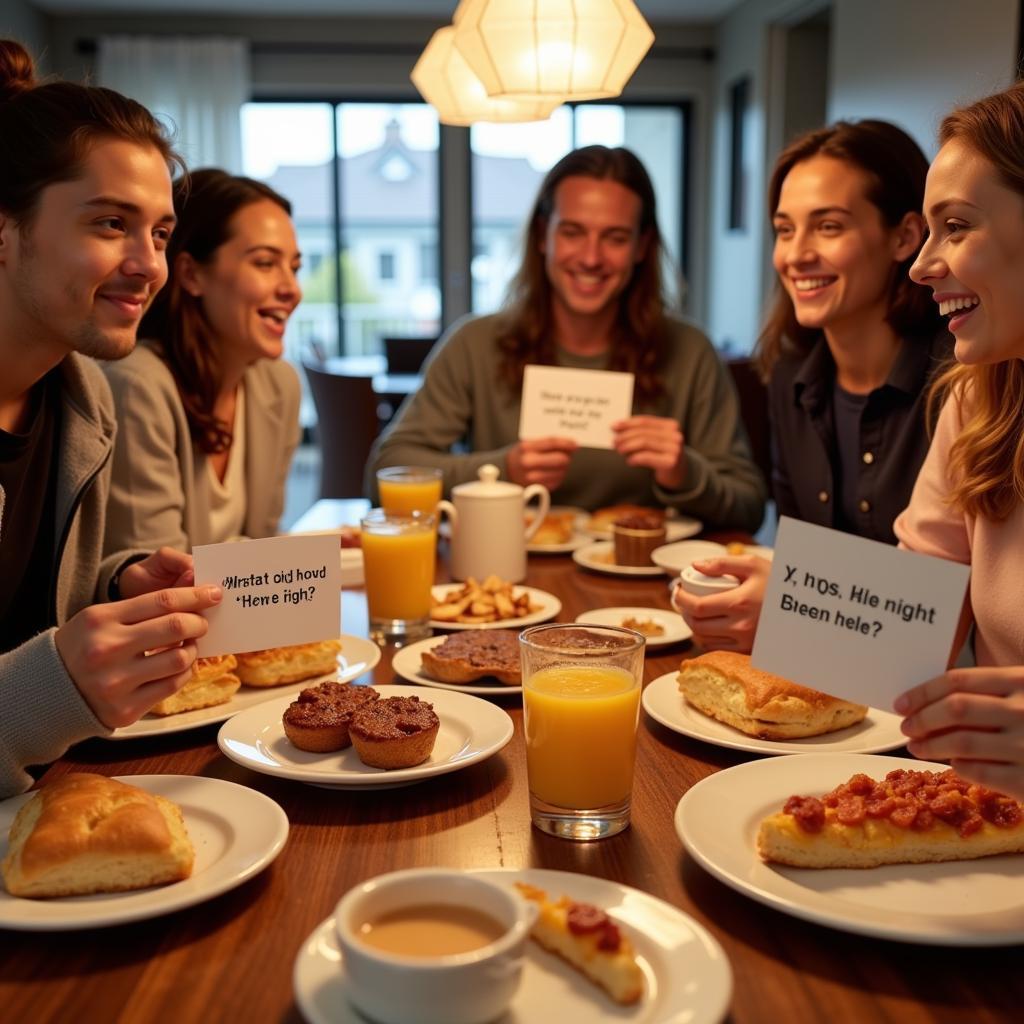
(406, 489)
(581, 699)
(398, 562)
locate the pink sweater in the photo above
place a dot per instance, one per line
(994, 551)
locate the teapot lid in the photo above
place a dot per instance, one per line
(488, 485)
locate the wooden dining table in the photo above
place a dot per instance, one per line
(231, 958)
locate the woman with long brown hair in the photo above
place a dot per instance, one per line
(848, 350)
(207, 410)
(588, 296)
(968, 502)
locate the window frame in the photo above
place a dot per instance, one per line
(446, 152)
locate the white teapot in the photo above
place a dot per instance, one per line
(488, 527)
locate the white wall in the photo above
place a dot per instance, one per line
(912, 61)
(905, 60)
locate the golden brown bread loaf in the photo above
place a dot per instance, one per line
(277, 666)
(86, 833)
(724, 685)
(212, 683)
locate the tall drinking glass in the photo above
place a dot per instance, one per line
(581, 698)
(398, 560)
(406, 489)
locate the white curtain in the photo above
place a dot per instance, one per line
(196, 85)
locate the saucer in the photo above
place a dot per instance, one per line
(686, 974)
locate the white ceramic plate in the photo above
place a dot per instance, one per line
(236, 833)
(406, 663)
(358, 655)
(880, 730)
(676, 528)
(674, 558)
(672, 622)
(471, 730)
(688, 978)
(550, 606)
(595, 556)
(960, 903)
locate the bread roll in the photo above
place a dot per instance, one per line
(277, 666)
(87, 833)
(211, 684)
(724, 685)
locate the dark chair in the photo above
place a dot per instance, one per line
(406, 355)
(753, 397)
(346, 411)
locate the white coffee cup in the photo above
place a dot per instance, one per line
(461, 988)
(696, 583)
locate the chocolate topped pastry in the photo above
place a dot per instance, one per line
(318, 719)
(397, 732)
(636, 536)
(475, 654)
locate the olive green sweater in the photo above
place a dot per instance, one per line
(463, 404)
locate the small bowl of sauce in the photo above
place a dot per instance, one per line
(432, 946)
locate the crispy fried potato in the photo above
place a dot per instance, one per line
(477, 603)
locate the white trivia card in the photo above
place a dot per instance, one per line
(277, 592)
(860, 620)
(579, 404)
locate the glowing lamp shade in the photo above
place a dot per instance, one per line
(447, 83)
(536, 49)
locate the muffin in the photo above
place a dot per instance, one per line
(397, 732)
(635, 537)
(318, 720)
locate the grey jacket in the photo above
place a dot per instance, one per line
(160, 492)
(463, 403)
(41, 711)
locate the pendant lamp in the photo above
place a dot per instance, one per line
(552, 49)
(449, 85)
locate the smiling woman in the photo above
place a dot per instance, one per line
(848, 350)
(207, 411)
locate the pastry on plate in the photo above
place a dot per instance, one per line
(86, 833)
(555, 528)
(318, 719)
(475, 654)
(601, 519)
(909, 817)
(396, 732)
(277, 666)
(212, 683)
(586, 937)
(724, 685)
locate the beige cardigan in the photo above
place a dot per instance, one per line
(160, 491)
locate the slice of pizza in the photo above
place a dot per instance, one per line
(586, 937)
(909, 817)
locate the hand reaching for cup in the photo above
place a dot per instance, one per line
(126, 656)
(726, 621)
(541, 460)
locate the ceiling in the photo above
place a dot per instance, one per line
(655, 10)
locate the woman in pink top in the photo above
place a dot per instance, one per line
(968, 502)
